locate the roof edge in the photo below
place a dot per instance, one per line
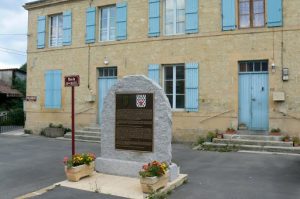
(43, 3)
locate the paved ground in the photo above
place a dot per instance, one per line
(30, 163)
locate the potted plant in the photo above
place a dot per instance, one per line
(219, 135)
(230, 131)
(276, 132)
(79, 166)
(296, 141)
(154, 176)
(286, 138)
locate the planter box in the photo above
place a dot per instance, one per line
(74, 174)
(53, 132)
(152, 184)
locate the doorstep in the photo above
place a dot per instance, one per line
(117, 185)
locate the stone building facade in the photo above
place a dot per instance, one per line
(236, 61)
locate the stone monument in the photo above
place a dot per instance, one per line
(136, 127)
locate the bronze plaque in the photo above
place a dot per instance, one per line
(134, 121)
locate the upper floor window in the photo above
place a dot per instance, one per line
(174, 17)
(56, 30)
(251, 13)
(108, 23)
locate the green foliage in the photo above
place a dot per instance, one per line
(296, 140)
(27, 131)
(14, 117)
(156, 195)
(79, 159)
(276, 130)
(210, 136)
(20, 85)
(200, 140)
(286, 137)
(24, 67)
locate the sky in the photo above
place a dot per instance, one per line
(13, 31)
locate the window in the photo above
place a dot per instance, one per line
(174, 17)
(108, 23)
(108, 72)
(56, 30)
(251, 13)
(253, 66)
(174, 84)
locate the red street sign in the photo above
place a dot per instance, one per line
(72, 80)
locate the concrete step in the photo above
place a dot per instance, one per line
(77, 140)
(88, 133)
(253, 137)
(83, 137)
(92, 129)
(276, 149)
(253, 142)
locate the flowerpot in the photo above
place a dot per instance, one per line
(152, 184)
(220, 136)
(74, 174)
(230, 132)
(54, 132)
(296, 144)
(275, 133)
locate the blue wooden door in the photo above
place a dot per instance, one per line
(107, 78)
(254, 100)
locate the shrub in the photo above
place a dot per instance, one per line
(201, 140)
(210, 136)
(276, 130)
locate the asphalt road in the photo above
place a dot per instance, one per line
(30, 163)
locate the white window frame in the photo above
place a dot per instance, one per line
(108, 23)
(56, 44)
(174, 85)
(174, 19)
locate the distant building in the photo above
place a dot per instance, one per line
(221, 63)
(8, 75)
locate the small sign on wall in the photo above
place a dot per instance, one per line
(72, 80)
(31, 98)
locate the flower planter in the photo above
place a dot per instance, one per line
(54, 132)
(275, 133)
(152, 184)
(74, 174)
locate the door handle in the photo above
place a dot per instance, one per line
(253, 99)
(262, 88)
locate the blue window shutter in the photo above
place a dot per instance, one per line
(274, 9)
(121, 21)
(153, 72)
(41, 32)
(90, 25)
(53, 89)
(191, 87)
(67, 28)
(228, 14)
(154, 18)
(191, 16)
(48, 89)
(56, 89)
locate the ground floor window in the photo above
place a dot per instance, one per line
(174, 84)
(108, 72)
(253, 66)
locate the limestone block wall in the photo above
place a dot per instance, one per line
(216, 52)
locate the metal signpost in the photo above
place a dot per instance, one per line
(72, 81)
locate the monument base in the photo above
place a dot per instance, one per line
(128, 168)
